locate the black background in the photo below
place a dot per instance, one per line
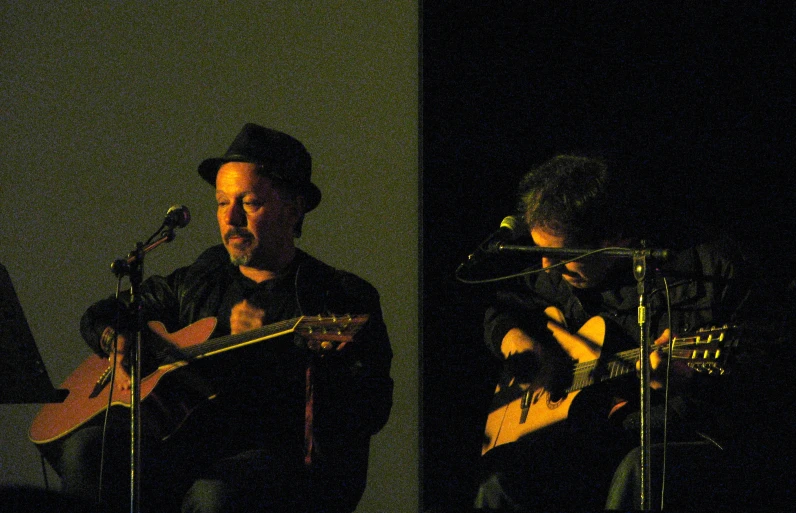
(694, 101)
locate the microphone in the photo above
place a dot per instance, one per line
(178, 216)
(511, 228)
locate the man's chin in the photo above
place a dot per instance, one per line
(239, 261)
(239, 257)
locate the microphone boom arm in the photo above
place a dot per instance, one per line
(178, 216)
(661, 254)
(121, 266)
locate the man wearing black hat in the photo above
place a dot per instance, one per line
(288, 429)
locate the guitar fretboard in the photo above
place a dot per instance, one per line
(705, 349)
(224, 343)
(589, 373)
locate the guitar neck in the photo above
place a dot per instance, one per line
(620, 364)
(703, 351)
(225, 343)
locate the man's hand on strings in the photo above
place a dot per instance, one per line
(681, 373)
(522, 353)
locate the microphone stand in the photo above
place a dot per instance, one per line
(133, 267)
(639, 258)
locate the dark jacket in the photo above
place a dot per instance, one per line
(260, 389)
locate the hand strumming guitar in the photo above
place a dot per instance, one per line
(245, 317)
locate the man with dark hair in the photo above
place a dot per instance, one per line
(554, 443)
(289, 424)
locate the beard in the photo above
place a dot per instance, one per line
(241, 259)
(240, 253)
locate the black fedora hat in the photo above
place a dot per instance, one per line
(279, 155)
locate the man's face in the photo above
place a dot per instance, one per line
(256, 223)
(582, 274)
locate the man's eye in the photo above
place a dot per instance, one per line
(252, 205)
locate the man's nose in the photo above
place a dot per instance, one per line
(236, 216)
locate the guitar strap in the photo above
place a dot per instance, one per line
(309, 414)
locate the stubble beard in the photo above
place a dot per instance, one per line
(241, 253)
(240, 259)
(241, 256)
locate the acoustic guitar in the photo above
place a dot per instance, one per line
(521, 409)
(165, 407)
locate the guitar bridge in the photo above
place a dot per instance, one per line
(101, 382)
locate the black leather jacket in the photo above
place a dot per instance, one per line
(261, 392)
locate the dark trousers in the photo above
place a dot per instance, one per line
(700, 476)
(190, 480)
(560, 471)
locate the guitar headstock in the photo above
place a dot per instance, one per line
(329, 333)
(707, 350)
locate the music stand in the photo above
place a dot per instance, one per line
(23, 376)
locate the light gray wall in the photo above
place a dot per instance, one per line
(108, 107)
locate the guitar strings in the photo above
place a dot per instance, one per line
(345, 323)
(230, 341)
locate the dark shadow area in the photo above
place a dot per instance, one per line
(23, 376)
(693, 103)
(25, 499)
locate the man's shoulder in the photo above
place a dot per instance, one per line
(311, 264)
(709, 255)
(697, 243)
(314, 274)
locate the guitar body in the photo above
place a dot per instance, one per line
(520, 409)
(163, 410)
